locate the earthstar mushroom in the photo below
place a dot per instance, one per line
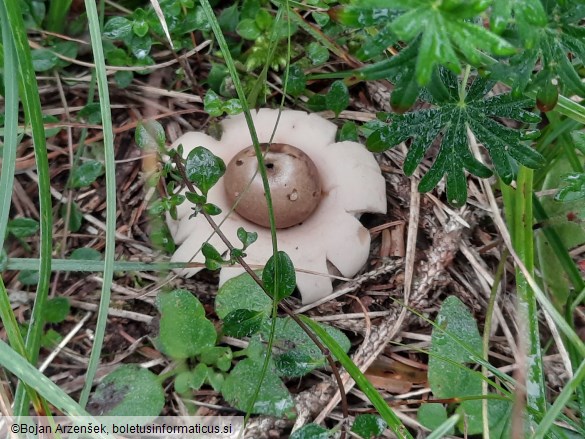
(294, 182)
(319, 188)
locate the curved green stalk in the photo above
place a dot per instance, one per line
(100, 66)
(362, 382)
(32, 110)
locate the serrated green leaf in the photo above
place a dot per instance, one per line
(451, 117)
(279, 276)
(85, 174)
(203, 168)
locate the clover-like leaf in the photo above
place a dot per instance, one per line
(451, 119)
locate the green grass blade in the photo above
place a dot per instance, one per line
(22, 369)
(560, 403)
(10, 140)
(362, 382)
(100, 66)
(92, 266)
(32, 110)
(57, 15)
(444, 429)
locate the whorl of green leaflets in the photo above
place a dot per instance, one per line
(450, 119)
(444, 29)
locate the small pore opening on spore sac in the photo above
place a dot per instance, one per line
(269, 165)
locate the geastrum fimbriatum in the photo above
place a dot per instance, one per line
(319, 189)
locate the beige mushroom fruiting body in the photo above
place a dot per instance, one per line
(350, 183)
(295, 186)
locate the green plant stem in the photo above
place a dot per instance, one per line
(10, 140)
(362, 382)
(109, 156)
(258, 281)
(486, 339)
(523, 241)
(57, 15)
(32, 108)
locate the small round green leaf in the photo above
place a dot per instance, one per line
(128, 391)
(311, 431)
(297, 80)
(56, 310)
(368, 426)
(317, 53)
(184, 331)
(279, 276)
(118, 28)
(23, 227)
(337, 99)
(240, 386)
(203, 168)
(86, 174)
(241, 292)
(248, 29)
(75, 216)
(86, 254)
(43, 60)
